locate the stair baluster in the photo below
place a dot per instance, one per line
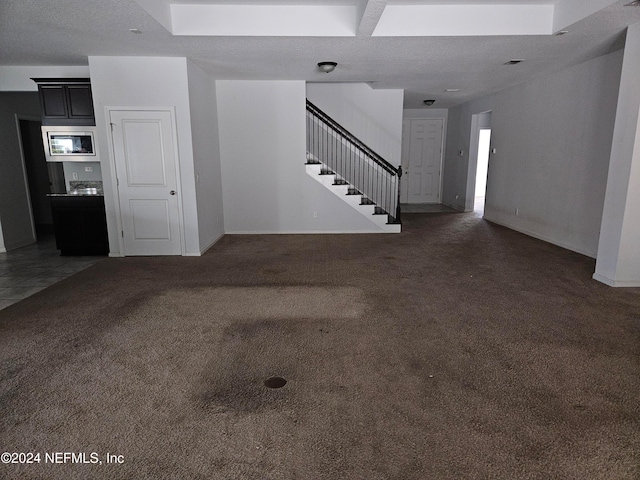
(353, 163)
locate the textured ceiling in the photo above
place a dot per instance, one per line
(66, 32)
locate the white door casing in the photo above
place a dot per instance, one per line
(421, 160)
(147, 176)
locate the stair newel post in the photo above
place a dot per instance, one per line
(398, 213)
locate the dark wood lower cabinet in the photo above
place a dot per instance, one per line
(80, 225)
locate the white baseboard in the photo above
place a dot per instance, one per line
(451, 205)
(202, 251)
(542, 237)
(616, 283)
(306, 232)
(211, 244)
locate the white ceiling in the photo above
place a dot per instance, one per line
(66, 32)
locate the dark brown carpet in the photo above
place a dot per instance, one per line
(455, 350)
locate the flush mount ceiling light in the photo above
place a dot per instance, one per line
(428, 103)
(452, 90)
(635, 3)
(135, 30)
(327, 67)
(514, 61)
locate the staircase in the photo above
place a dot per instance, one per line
(352, 171)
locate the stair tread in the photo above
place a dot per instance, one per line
(325, 168)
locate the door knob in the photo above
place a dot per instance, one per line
(172, 192)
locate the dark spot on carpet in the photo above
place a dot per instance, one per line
(236, 392)
(415, 366)
(275, 382)
(579, 407)
(272, 271)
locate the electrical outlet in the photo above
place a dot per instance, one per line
(88, 169)
(75, 175)
(315, 214)
(517, 211)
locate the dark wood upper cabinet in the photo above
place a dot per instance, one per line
(53, 101)
(80, 101)
(66, 101)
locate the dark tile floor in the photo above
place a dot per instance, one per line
(30, 269)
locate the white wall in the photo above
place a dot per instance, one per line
(206, 155)
(618, 253)
(262, 146)
(18, 78)
(79, 168)
(373, 116)
(146, 82)
(425, 113)
(553, 139)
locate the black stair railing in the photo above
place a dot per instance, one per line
(353, 162)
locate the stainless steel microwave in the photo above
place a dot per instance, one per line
(69, 143)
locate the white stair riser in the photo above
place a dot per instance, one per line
(352, 200)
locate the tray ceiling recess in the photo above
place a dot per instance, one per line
(378, 18)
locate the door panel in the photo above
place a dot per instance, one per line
(145, 159)
(143, 144)
(150, 219)
(422, 160)
(419, 183)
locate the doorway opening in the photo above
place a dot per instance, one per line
(482, 167)
(478, 181)
(37, 178)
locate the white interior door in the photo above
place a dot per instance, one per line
(145, 160)
(422, 160)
